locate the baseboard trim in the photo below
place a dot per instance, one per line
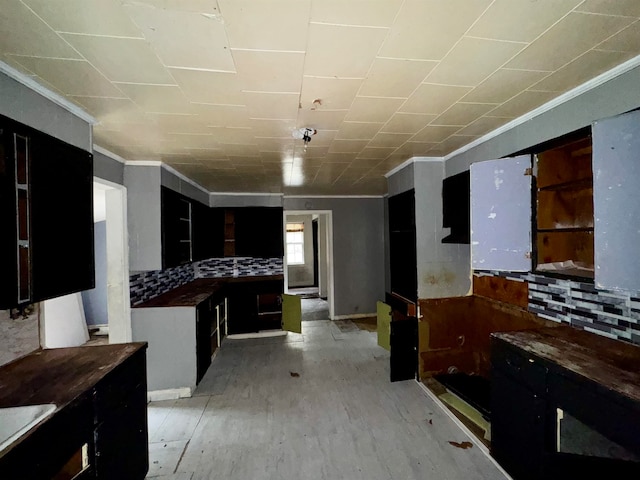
(353, 315)
(263, 334)
(169, 394)
(481, 446)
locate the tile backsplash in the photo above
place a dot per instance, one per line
(147, 285)
(18, 336)
(613, 314)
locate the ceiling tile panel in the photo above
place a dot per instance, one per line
(484, 125)
(278, 145)
(407, 122)
(323, 138)
(177, 123)
(607, 7)
(390, 77)
(520, 21)
(121, 59)
(209, 87)
(23, 33)
(522, 103)
(373, 109)
(463, 113)
(340, 157)
(434, 134)
(185, 39)
(321, 119)
(472, 60)
(445, 23)
(569, 38)
(96, 17)
(157, 98)
(269, 71)
(240, 150)
(628, 40)
(376, 13)
(358, 130)
(272, 105)
(72, 77)
(233, 135)
(119, 110)
(328, 57)
(376, 152)
(389, 139)
(223, 115)
(412, 149)
(274, 25)
(272, 127)
(503, 85)
(197, 6)
(582, 69)
(433, 99)
(348, 146)
(328, 93)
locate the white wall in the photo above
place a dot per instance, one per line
(302, 275)
(323, 272)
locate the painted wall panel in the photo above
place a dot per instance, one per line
(616, 200)
(24, 105)
(144, 220)
(108, 168)
(501, 214)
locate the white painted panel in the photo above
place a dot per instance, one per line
(616, 201)
(501, 214)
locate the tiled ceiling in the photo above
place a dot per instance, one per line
(215, 88)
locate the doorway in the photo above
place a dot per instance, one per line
(308, 261)
(107, 307)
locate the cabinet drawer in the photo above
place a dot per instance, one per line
(525, 369)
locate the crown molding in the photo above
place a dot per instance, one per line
(410, 161)
(59, 100)
(334, 196)
(108, 153)
(184, 178)
(143, 163)
(550, 105)
(247, 194)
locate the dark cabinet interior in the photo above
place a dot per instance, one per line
(193, 231)
(564, 210)
(456, 199)
(259, 232)
(254, 306)
(46, 203)
(402, 245)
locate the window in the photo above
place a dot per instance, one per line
(295, 243)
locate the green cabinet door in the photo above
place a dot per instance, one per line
(291, 313)
(384, 325)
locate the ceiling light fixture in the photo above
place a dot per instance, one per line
(304, 134)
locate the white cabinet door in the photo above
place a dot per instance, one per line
(501, 214)
(616, 201)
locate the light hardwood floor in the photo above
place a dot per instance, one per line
(253, 418)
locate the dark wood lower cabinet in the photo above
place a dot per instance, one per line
(101, 398)
(254, 305)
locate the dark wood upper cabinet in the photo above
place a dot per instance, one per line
(208, 231)
(177, 246)
(402, 245)
(456, 200)
(46, 203)
(259, 232)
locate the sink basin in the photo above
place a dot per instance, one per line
(16, 421)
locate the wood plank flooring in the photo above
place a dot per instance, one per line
(252, 417)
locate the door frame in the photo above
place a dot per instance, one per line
(118, 294)
(329, 259)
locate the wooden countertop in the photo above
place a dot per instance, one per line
(59, 375)
(611, 363)
(198, 290)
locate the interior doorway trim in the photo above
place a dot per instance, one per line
(330, 282)
(118, 295)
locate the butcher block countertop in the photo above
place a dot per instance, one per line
(59, 375)
(198, 290)
(612, 364)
